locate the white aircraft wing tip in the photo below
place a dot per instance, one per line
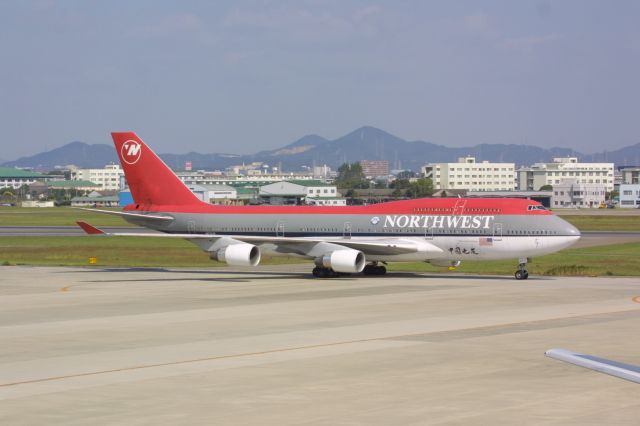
(602, 365)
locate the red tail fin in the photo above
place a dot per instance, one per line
(150, 180)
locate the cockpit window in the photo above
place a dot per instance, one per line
(530, 208)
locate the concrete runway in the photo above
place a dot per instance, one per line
(229, 346)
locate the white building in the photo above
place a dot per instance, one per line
(108, 178)
(297, 192)
(472, 176)
(565, 168)
(575, 194)
(630, 175)
(630, 195)
(15, 178)
(214, 193)
(216, 178)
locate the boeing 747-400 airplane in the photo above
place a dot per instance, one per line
(346, 239)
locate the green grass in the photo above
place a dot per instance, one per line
(611, 260)
(109, 251)
(604, 223)
(55, 216)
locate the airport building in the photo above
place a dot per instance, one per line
(565, 168)
(630, 195)
(301, 192)
(95, 199)
(108, 178)
(575, 194)
(218, 178)
(15, 178)
(77, 185)
(470, 175)
(214, 193)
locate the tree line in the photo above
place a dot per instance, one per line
(406, 185)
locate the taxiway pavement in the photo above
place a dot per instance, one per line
(274, 346)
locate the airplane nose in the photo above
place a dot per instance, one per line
(569, 230)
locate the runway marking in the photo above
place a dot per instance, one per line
(67, 287)
(250, 354)
(636, 299)
(189, 361)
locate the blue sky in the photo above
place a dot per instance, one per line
(242, 76)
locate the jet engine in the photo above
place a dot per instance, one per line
(242, 254)
(445, 263)
(347, 260)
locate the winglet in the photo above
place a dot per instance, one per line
(89, 229)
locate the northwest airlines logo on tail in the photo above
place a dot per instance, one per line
(131, 151)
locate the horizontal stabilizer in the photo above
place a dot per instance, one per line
(602, 365)
(90, 229)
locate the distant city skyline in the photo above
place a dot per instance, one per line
(246, 76)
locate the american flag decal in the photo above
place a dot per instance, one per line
(486, 241)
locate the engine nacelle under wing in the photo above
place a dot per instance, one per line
(238, 255)
(347, 260)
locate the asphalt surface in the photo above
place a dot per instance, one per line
(276, 347)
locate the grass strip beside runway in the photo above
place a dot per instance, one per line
(56, 216)
(611, 260)
(604, 223)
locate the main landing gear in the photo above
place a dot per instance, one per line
(374, 269)
(370, 269)
(322, 272)
(522, 273)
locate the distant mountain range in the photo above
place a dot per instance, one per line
(365, 143)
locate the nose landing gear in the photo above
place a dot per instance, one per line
(522, 273)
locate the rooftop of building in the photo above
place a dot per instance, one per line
(98, 199)
(210, 187)
(10, 172)
(72, 184)
(307, 182)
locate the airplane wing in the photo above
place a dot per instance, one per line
(287, 244)
(602, 365)
(145, 216)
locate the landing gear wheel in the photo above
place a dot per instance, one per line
(374, 269)
(320, 272)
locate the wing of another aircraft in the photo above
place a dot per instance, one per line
(304, 246)
(602, 365)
